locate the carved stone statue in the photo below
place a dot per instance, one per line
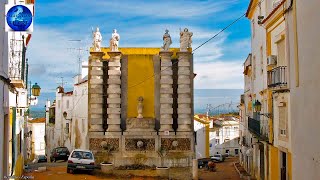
(140, 107)
(185, 39)
(97, 39)
(166, 41)
(114, 41)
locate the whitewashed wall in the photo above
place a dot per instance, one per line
(38, 132)
(305, 98)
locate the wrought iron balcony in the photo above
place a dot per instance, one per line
(278, 77)
(254, 128)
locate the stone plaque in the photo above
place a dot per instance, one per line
(95, 143)
(140, 144)
(180, 144)
(140, 124)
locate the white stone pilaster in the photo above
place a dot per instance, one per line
(114, 92)
(166, 92)
(184, 92)
(95, 92)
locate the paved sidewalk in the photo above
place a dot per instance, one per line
(225, 170)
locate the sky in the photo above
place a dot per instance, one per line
(218, 64)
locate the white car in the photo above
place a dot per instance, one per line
(80, 159)
(217, 158)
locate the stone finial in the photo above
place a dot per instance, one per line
(185, 39)
(140, 107)
(166, 41)
(114, 41)
(97, 39)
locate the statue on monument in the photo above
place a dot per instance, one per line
(185, 39)
(114, 41)
(140, 107)
(97, 38)
(166, 41)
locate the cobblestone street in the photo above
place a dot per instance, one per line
(225, 170)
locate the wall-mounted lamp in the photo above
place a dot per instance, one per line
(65, 114)
(260, 19)
(257, 106)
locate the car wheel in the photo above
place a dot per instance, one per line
(90, 172)
(70, 171)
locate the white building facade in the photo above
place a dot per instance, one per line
(67, 117)
(14, 99)
(304, 79)
(216, 136)
(224, 137)
(37, 127)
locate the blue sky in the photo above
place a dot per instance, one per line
(140, 24)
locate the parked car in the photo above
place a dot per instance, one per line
(81, 160)
(59, 153)
(41, 158)
(203, 162)
(218, 158)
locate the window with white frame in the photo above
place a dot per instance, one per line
(253, 31)
(261, 59)
(67, 128)
(83, 126)
(227, 131)
(217, 141)
(254, 67)
(42, 146)
(283, 118)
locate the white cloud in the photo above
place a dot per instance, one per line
(48, 51)
(50, 58)
(219, 75)
(161, 9)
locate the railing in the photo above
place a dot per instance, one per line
(254, 128)
(277, 77)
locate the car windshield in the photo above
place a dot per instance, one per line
(62, 150)
(81, 155)
(41, 157)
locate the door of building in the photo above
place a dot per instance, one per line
(261, 147)
(283, 166)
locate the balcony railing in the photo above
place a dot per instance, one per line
(254, 128)
(278, 77)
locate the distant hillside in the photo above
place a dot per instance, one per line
(202, 97)
(37, 113)
(217, 97)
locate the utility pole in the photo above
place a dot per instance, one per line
(62, 82)
(79, 51)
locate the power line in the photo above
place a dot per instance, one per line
(225, 28)
(229, 25)
(220, 32)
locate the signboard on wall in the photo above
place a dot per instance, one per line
(19, 18)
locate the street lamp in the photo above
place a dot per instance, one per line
(257, 106)
(36, 90)
(65, 114)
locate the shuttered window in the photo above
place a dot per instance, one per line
(283, 120)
